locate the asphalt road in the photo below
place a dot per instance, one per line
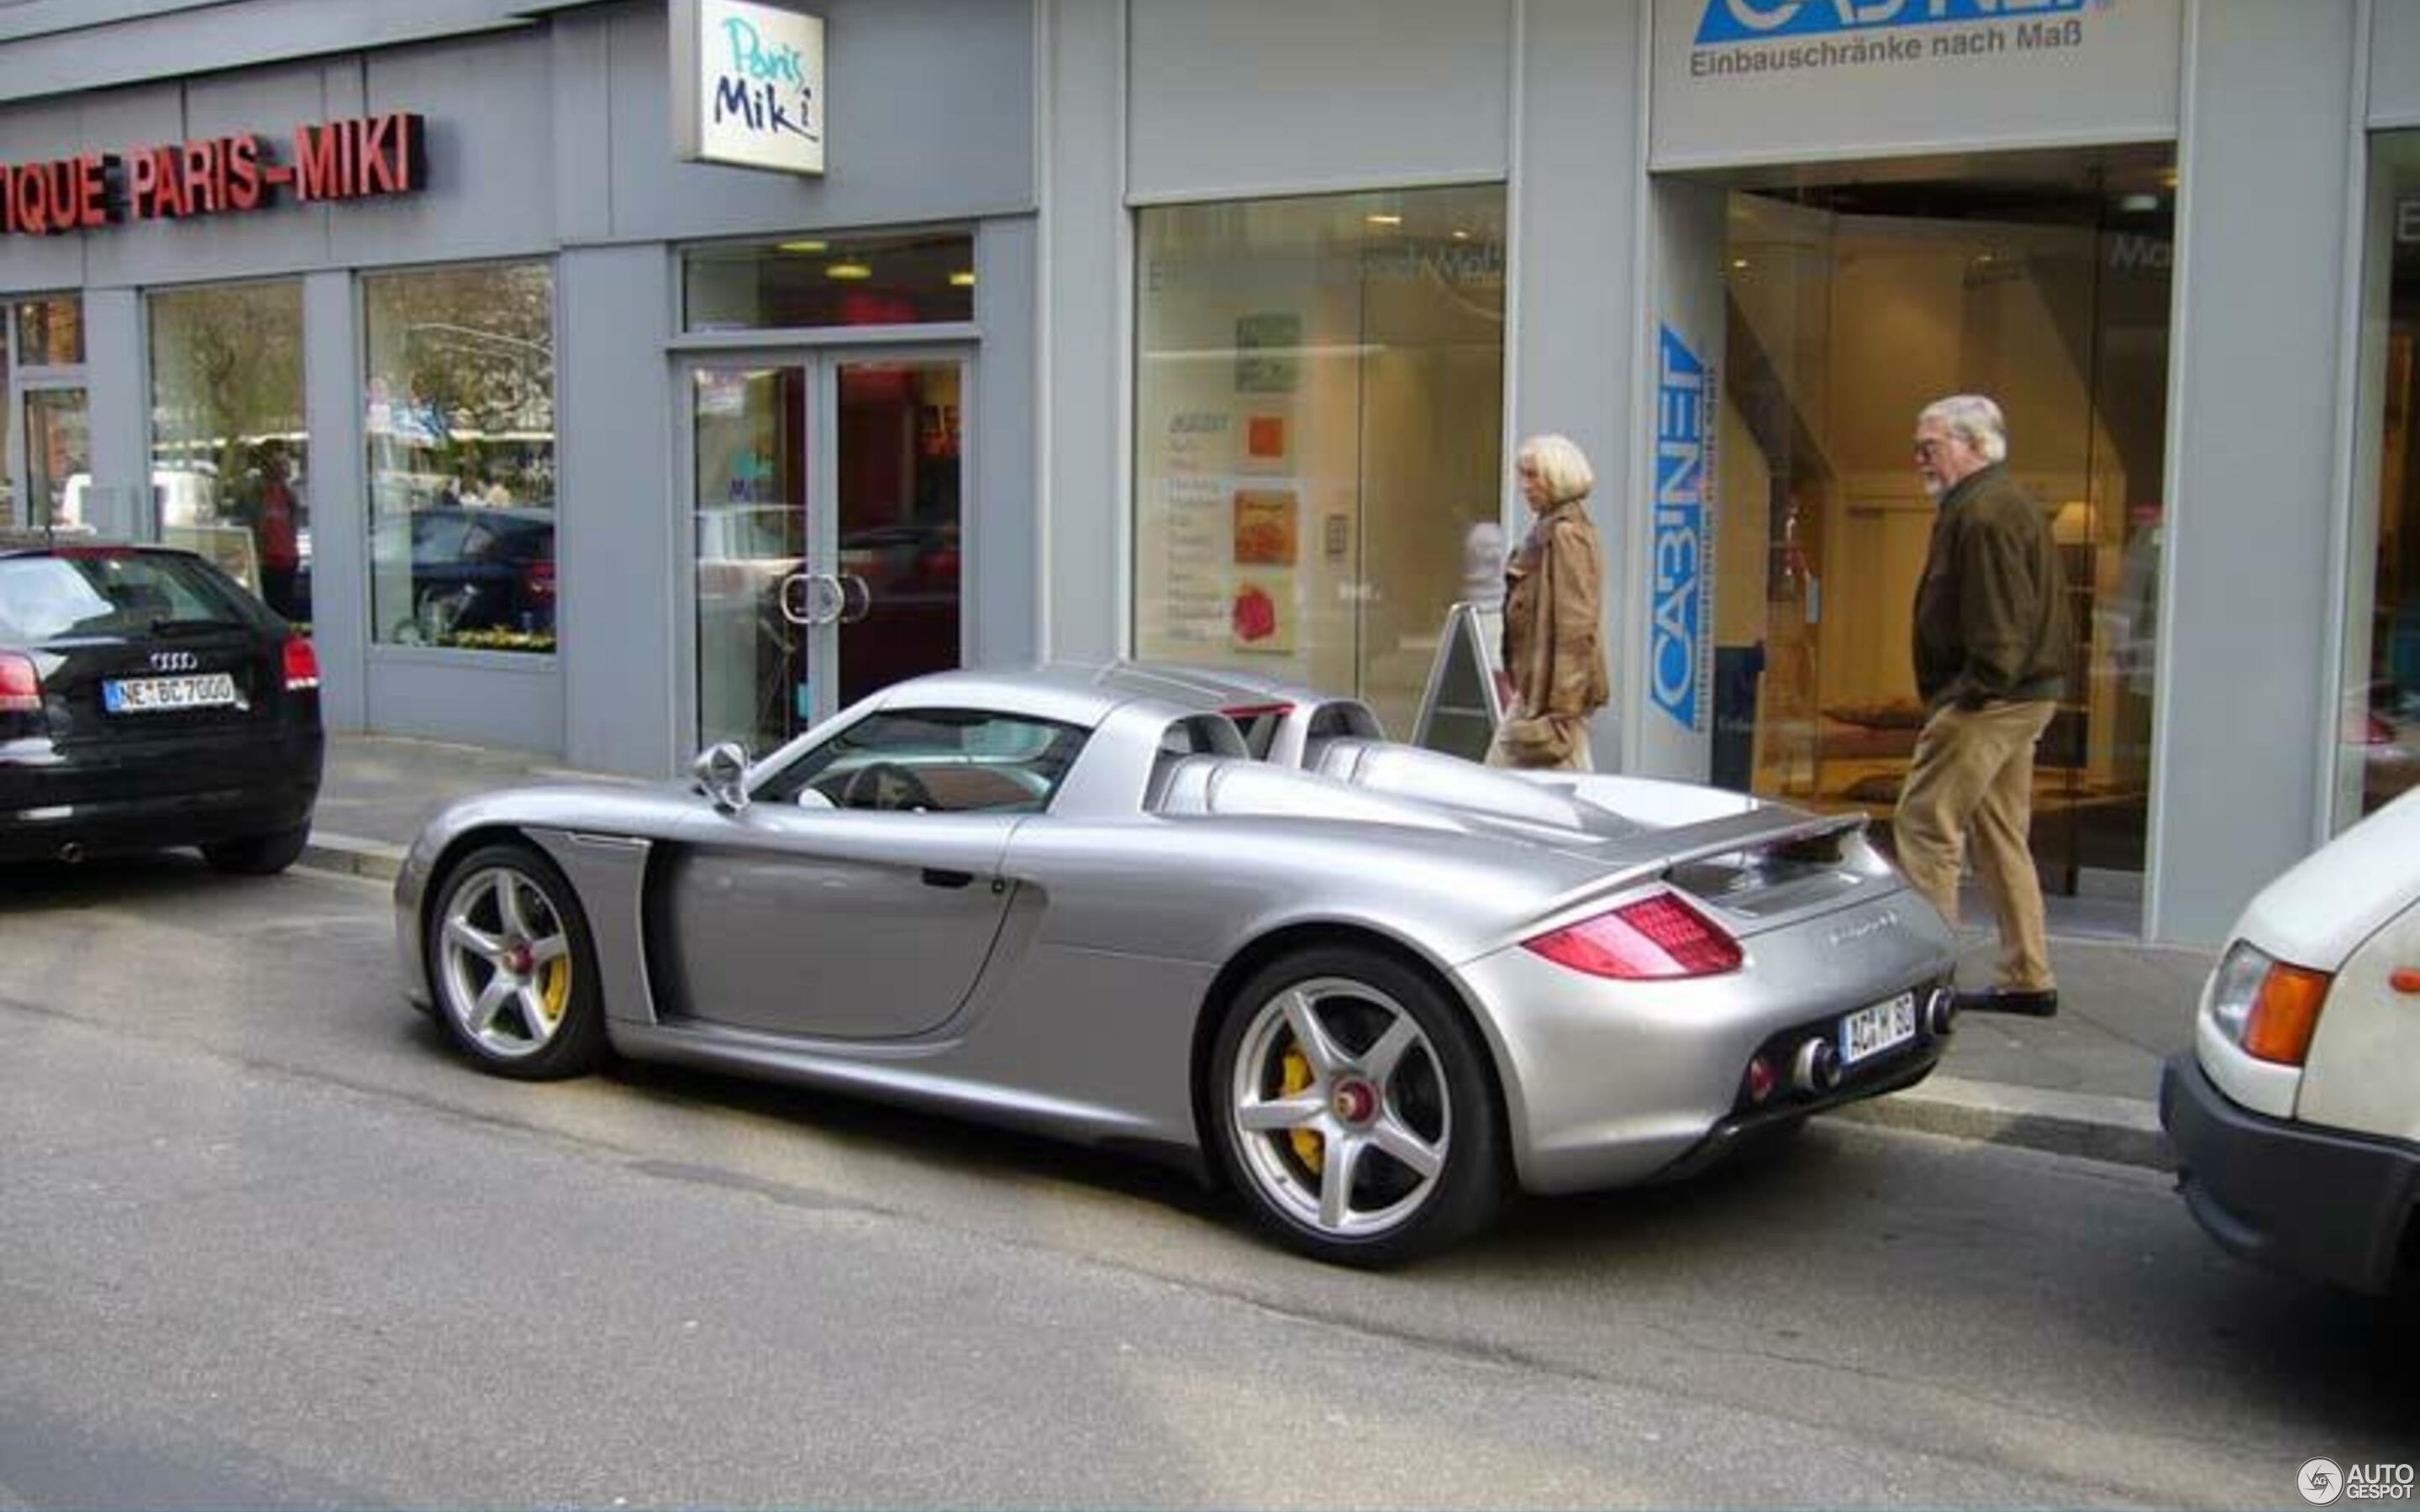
(265, 1242)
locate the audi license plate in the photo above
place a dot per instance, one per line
(147, 695)
(1869, 1031)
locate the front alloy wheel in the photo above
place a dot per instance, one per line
(512, 966)
(1357, 1114)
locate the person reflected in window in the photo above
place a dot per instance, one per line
(1992, 642)
(280, 540)
(1554, 597)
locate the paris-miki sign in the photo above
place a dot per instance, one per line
(361, 157)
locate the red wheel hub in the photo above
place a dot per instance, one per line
(518, 959)
(1354, 1102)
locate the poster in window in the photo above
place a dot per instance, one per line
(1264, 527)
(1265, 349)
(1262, 619)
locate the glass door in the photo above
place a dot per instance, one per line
(825, 509)
(58, 456)
(897, 433)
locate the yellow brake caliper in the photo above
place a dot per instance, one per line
(557, 991)
(1307, 1145)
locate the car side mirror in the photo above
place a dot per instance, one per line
(721, 772)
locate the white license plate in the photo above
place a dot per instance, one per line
(1869, 1031)
(147, 695)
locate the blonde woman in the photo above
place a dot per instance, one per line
(1554, 601)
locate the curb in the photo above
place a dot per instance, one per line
(349, 856)
(2121, 1131)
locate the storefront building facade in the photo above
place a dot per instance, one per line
(1204, 332)
(510, 435)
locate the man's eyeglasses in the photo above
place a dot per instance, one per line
(1927, 445)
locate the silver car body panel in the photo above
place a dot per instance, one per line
(1061, 986)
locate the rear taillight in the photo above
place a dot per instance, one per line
(1657, 936)
(21, 686)
(538, 580)
(301, 665)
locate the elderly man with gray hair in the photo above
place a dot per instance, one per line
(1991, 639)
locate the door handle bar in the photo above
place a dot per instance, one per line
(811, 607)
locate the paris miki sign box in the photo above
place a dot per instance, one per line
(748, 86)
(361, 157)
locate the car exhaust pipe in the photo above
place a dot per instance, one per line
(1817, 1066)
(72, 852)
(1941, 1014)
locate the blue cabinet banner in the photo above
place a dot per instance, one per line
(1680, 657)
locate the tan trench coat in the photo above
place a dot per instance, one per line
(1554, 644)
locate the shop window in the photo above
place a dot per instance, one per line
(49, 331)
(459, 395)
(2378, 739)
(1318, 445)
(829, 281)
(230, 458)
(2040, 279)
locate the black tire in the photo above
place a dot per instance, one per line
(542, 1026)
(1434, 1099)
(258, 856)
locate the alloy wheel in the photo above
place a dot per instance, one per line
(1340, 1108)
(506, 962)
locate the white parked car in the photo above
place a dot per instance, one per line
(2296, 1116)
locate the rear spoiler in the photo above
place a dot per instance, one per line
(1775, 827)
(1757, 832)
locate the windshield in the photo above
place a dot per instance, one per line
(118, 592)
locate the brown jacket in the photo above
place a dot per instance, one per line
(1990, 611)
(1554, 645)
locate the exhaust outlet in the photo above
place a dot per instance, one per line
(1816, 1068)
(1941, 1015)
(72, 852)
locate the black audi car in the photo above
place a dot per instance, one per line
(147, 701)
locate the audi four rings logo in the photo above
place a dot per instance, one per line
(174, 661)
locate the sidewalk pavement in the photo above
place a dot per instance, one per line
(2084, 1083)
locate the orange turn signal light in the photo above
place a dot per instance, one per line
(2404, 980)
(2285, 1015)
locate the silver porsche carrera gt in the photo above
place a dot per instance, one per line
(1205, 916)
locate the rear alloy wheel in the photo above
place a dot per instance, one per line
(1356, 1109)
(258, 856)
(514, 970)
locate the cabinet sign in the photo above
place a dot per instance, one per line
(748, 86)
(1789, 81)
(354, 159)
(1680, 655)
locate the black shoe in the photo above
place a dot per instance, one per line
(2039, 1003)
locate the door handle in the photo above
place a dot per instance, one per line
(792, 595)
(812, 598)
(865, 599)
(936, 878)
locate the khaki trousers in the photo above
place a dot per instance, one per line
(1973, 778)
